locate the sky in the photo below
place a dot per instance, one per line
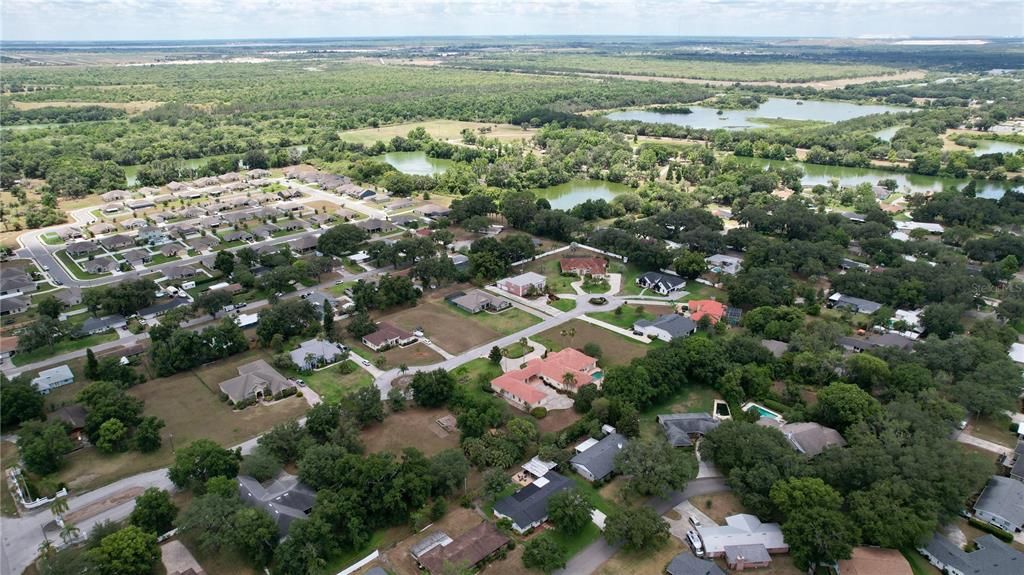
(92, 20)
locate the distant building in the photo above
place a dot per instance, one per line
(316, 352)
(256, 381)
(724, 264)
(15, 282)
(50, 379)
(869, 342)
(14, 305)
(682, 428)
(523, 284)
(584, 266)
(742, 529)
(854, 304)
(387, 336)
(475, 301)
(808, 437)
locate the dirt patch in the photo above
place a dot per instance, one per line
(415, 354)
(97, 507)
(718, 506)
(616, 349)
(414, 427)
(130, 107)
(557, 420)
(510, 565)
(453, 333)
(456, 522)
(649, 563)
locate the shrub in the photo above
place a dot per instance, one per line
(1004, 535)
(539, 412)
(775, 405)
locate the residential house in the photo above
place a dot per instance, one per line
(210, 221)
(848, 264)
(881, 193)
(461, 261)
(70, 296)
(79, 249)
(160, 309)
(528, 507)
(565, 370)
(14, 282)
(467, 550)
(854, 304)
(185, 231)
(203, 243)
(724, 264)
(238, 235)
(666, 327)
(314, 353)
(115, 196)
(235, 218)
(133, 223)
(140, 204)
(285, 500)
(152, 235)
(875, 560)
(929, 227)
(742, 529)
(1002, 504)
(303, 245)
(356, 192)
(112, 208)
(180, 272)
(475, 301)
(229, 177)
(344, 214)
(584, 266)
(73, 417)
(523, 284)
(117, 242)
(990, 557)
(661, 283)
(176, 186)
(14, 305)
(148, 190)
(137, 257)
(597, 462)
(50, 379)
(1015, 461)
(700, 308)
(95, 325)
(292, 225)
(255, 381)
(70, 233)
(265, 231)
(854, 217)
(376, 226)
(807, 437)
(432, 211)
(429, 543)
(387, 336)
(101, 228)
(687, 563)
(172, 249)
(747, 556)
(399, 204)
(321, 220)
(681, 429)
(100, 265)
(858, 344)
(405, 220)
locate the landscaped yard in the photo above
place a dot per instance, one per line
(516, 350)
(75, 269)
(63, 346)
(690, 399)
(51, 239)
(549, 268)
(918, 564)
(563, 304)
(630, 314)
(616, 349)
(332, 385)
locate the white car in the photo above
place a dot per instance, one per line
(695, 543)
(366, 362)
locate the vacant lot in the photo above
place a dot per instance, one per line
(331, 385)
(648, 563)
(718, 506)
(616, 349)
(414, 427)
(631, 314)
(445, 327)
(439, 129)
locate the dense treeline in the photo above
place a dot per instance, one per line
(60, 114)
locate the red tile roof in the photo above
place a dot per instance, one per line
(514, 384)
(706, 307)
(591, 266)
(553, 367)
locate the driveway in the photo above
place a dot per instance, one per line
(968, 439)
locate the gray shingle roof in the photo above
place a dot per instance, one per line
(530, 504)
(679, 427)
(600, 459)
(687, 564)
(673, 323)
(285, 500)
(1003, 497)
(992, 557)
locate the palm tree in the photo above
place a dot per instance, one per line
(569, 379)
(403, 368)
(59, 507)
(69, 533)
(46, 547)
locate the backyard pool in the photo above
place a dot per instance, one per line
(762, 411)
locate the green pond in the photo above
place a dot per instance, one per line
(785, 108)
(416, 163)
(996, 147)
(815, 174)
(570, 194)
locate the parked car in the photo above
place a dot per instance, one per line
(694, 521)
(300, 383)
(962, 424)
(366, 362)
(695, 543)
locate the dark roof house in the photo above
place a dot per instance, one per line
(992, 557)
(598, 461)
(679, 427)
(286, 499)
(528, 507)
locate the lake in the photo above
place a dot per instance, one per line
(886, 134)
(416, 163)
(995, 147)
(815, 174)
(709, 119)
(570, 194)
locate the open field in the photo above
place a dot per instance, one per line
(631, 314)
(444, 326)
(332, 385)
(616, 349)
(648, 563)
(438, 129)
(415, 427)
(718, 506)
(130, 107)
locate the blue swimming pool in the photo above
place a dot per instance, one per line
(762, 411)
(597, 375)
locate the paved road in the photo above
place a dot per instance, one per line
(592, 557)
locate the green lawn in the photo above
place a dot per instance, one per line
(161, 259)
(629, 274)
(226, 245)
(688, 400)
(573, 544)
(332, 385)
(51, 239)
(339, 290)
(630, 314)
(596, 286)
(516, 350)
(74, 268)
(506, 323)
(700, 291)
(282, 233)
(564, 304)
(62, 346)
(918, 564)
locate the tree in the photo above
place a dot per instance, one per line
(288, 318)
(328, 319)
(92, 366)
(103, 401)
(942, 319)
(154, 511)
(322, 419)
(42, 446)
(112, 436)
(396, 398)
(867, 372)
(544, 553)
(570, 510)
(842, 405)
(285, 441)
(260, 464)
(495, 355)
(341, 240)
(255, 535)
(637, 529)
(813, 509)
(364, 405)
(210, 519)
(147, 435)
(199, 461)
(20, 401)
(495, 482)
(361, 325)
(518, 208)
(212, 301)
(225, 262)
(432, 388)
(49, 306)
(129, 551)
(449, 470)
(655, 467)
(689, 264)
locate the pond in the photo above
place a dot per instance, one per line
(566, 196)
(815, 174)
(996, 147)
(886, 134)
(416, 163)
(710, 119)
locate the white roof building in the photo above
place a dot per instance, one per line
(742, 529)
(52, 378)
(1017, 355)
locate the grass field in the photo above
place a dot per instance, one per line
(332, 385)
(918, 564)
(616, 349)
(438, 129)
(452, 329)
(505, 323)
(564, 304)
(415, 427)
(192, 410)
(63, 346)
(631, 314)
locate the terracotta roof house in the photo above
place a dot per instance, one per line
(523, 284)
(582, 266)
(256, 380)
(528, 507)
(286, 499)
(387, 336)
(992, 556)
(467, 550)
(700, 308)
(806, 437)
(524, 387)
(660, 282)
(681, 428)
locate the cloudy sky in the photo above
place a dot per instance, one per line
(210, 19)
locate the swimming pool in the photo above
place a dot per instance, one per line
(762, 411)
(597, 375)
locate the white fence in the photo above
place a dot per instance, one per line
(21, 491)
